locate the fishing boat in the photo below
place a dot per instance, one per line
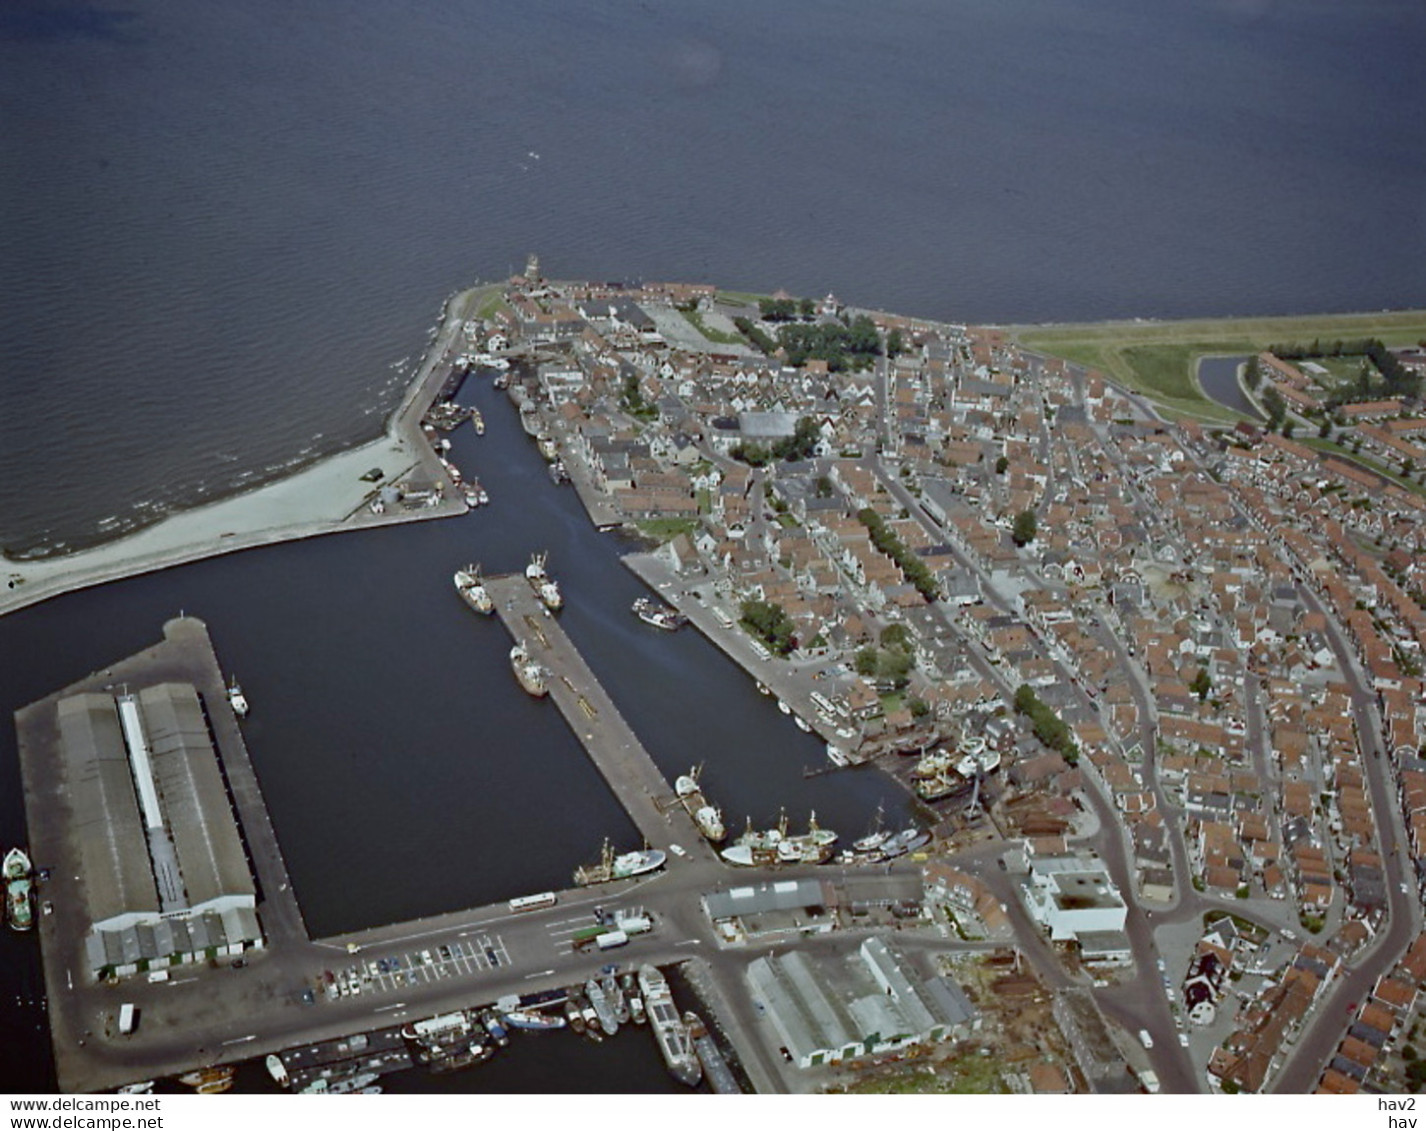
(621, 866)
(630, 985)
(660, 616)
(532, 1019)
(812, 847)
(669, 1029)
(908, 840)
(348, 1084)
(473, 1053)
(208, 1077)
(19, 902)
(472, 590)
(616, 998)
(529, 673)
(478, 421)
(874, 839)
(708, 819)
(236, 699)
(277, 1070)
(545, 587)
(603, 1007)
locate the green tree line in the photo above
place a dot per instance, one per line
(1049, 728)
(885, 540)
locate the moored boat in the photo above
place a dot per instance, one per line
(603, 1006)
(19, 905)
(237, 700)
(545, 587)
(533, 1019)
(277, 1070)
(529, 673)
(669, 1029)
(908, 840)
(708, 819)
(665, 617)
(621, 866)
(472, 589)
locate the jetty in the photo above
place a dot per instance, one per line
(609, 741)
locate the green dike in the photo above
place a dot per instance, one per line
(1158, 359)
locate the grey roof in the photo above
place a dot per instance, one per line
(117, 876)
(839, 1005)
(783, 895)
(767, 425)
(199, 818)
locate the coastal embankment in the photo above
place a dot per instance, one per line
(327, 497)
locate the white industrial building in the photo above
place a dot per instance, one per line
(1073, 896)
(861, 1004)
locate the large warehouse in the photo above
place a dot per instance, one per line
(165, 877)
(868, 1003)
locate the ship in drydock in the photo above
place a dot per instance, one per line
(620, 866)
(472, 590)
(669, 1029)
(529, 673)
(708, 819)
(545, 587)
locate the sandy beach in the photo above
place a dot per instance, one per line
(327, 497)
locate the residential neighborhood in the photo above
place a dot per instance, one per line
(1156, 686)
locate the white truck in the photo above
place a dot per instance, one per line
(128, 1018)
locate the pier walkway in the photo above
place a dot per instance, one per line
(610, 742)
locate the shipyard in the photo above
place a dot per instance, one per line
(1051, 899)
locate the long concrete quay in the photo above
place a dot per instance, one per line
(610, 742)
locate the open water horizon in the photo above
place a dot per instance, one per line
(227, 227)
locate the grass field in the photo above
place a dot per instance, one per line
(1158, 358)
(667, 529)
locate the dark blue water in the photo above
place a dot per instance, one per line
(223, 222)
(225, 226)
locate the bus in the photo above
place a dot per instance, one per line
(533, 902)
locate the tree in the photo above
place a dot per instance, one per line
(895, 636)
(1287, 427)
(1274, 406)
(770, 622)
(1025, 528)
(894, 343)
(866, 662)
(1253, 373)
(1001, 465)
(1202, 684)
(919, 708)
(1325, 428)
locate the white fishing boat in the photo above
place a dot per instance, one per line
(545, 587)
(277, 1070)
(472, 590)
(530, 675)
(237, 700)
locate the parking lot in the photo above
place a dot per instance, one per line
(461, 958)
